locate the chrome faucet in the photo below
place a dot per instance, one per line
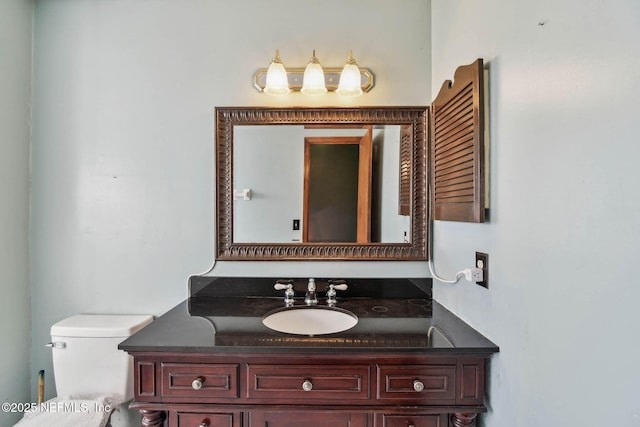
(310, 298)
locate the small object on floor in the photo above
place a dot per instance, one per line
(41, 386)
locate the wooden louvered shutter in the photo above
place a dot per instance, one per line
(406, 146)
(457, 147)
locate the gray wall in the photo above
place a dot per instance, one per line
(124, 91)
(15, 117)
(564, 234)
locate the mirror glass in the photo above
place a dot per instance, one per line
(269, 161)
(321, 183)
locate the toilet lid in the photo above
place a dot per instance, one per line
(100, 325)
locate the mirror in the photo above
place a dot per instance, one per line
(270, 206)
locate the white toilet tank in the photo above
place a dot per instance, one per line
(86, 359)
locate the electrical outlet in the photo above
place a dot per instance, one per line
(482, 261)
(473, 274)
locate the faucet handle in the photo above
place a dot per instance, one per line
(282, 284)
(288, 293)
(339, 285)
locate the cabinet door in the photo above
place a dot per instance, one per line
(457, 147)
(307, 419)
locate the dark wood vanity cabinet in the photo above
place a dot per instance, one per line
(211, 362)
(311, 390)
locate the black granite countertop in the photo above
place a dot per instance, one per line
(225, 315)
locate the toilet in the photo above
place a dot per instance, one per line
(91, 373)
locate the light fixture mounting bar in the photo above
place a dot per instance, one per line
(331, 77)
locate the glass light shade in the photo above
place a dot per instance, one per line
(277, 82)
(350, 80)
(313, 80)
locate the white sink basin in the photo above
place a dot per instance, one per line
(313, 320)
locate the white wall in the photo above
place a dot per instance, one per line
(15, 116)
(123, 195)
(275, 176)
(393, 226)
(564, 235)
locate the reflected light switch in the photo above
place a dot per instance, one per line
(245, 194)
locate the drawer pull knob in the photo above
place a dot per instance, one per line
(307, 385)
(418, 386)
(197, 383)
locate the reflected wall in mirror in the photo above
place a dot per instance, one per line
(271, 152)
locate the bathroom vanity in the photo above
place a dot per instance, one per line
(407, 362)
(210, 361)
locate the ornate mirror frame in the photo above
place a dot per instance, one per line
(229, 117)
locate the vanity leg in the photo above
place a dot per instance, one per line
(460, 419)
(153, 418)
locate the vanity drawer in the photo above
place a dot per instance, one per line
(431, 420)
(308, 418)
(308, 382)
(417, 383)
(205, 419)
(200, 380)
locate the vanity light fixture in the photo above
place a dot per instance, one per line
(277, 82)
(313, 81)
(349, 80)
